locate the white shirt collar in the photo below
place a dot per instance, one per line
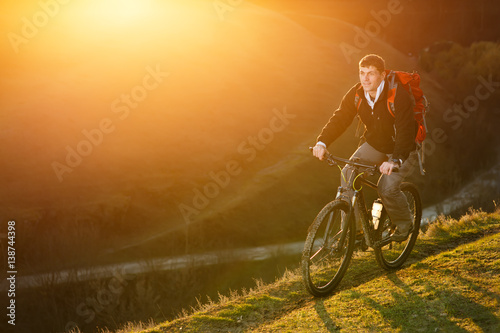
(379, 92)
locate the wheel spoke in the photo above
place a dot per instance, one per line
(317, 252)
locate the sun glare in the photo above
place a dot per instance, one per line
(117, 14)
(118, 11)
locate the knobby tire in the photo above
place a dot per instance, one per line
(324, 260)
(394, 254)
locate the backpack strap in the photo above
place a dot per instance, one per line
(357, 103)
(391, 96)
(391, 92)
(357, 97)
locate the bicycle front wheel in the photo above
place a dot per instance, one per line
(392, 255)
(328, 248)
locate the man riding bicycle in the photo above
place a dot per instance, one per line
(389, 140)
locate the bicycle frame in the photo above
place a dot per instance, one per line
(358, 196)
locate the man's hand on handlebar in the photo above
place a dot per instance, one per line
(319, 151)
(387, 168)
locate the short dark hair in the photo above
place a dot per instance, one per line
(373, 60)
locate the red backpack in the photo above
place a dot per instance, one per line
(411, 83)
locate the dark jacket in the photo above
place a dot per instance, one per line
(387, 134)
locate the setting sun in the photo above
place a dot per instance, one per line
(129, 12)
(117, 11)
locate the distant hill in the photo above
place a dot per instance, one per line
(124, 131)
(416, 25)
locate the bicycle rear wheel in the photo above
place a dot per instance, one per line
(393, 254)
(328, 249)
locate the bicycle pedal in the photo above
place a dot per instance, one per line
(383, 242)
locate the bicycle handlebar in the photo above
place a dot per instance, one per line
(334, 160)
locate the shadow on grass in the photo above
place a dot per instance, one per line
(322, 312)
(364, 268)
(411, 312)
(409, 306)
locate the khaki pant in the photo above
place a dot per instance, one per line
(389, 190)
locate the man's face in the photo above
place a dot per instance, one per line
(370, 78)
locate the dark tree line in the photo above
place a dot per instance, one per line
(419, 24)
(427, 21)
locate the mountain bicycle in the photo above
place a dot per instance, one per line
(332, 238)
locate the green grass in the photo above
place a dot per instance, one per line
(449, 284)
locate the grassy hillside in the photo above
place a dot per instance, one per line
(450, 283)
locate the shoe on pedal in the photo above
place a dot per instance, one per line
(399, 236)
